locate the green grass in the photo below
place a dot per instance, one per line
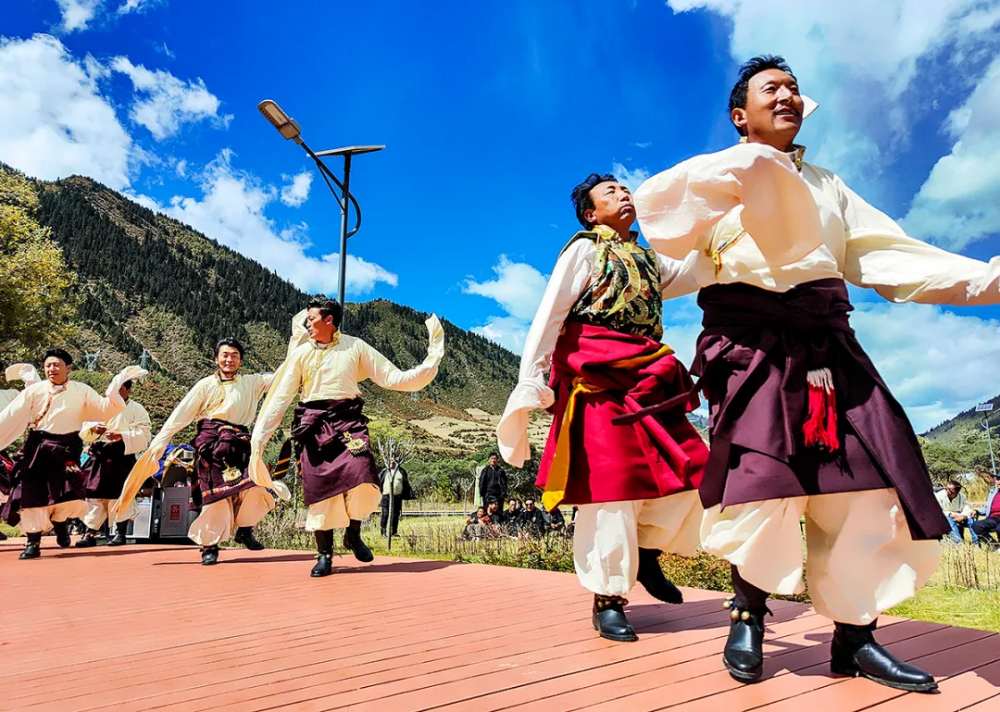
(966, 607)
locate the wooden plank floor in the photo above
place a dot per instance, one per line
(147, 627)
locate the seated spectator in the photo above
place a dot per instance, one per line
(532, 519)
(982, 529)
(480, 526)
(477, 517)
(556, 522)
(956, 508)
(510, 518)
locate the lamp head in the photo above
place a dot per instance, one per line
(286, 126)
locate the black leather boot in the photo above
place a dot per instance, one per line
(209, 555)
(352, 541)
(651, 577)
(33, 549)
(324, 560)
(743, 655)
(3, 537)
(119, 538)
(61, 530)
(244, 536)
(610, 621)
(854, 652)
(88, 540)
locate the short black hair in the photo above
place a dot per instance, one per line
(231, 343)
(751, 68)
(127, 384)
(493, 454)
(581, 195)
(955, 483)
(60, 354)
(328, 307)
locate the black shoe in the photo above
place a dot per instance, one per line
(209, 555)
(3, 537)
(610, 621)
(324, 562)
(352, 541)
(244, 536)
(87, 540)
(651, 577)
(743, 655)
(32, 550)
(119, 538)
(854, 652)
(62, 534)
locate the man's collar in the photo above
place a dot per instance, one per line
(333, 342)
(222, 379)
(796, 153)
(606, 233)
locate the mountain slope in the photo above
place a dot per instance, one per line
(149, 282)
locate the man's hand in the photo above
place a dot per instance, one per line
(99, 430)
(114, 437)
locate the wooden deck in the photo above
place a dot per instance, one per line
(147, 627)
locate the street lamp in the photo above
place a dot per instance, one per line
(288, 128)
(985, 409)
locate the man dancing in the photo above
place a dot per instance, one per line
(632, 472)
(224, 406)
(339, 476)
(801, 422)
(47, 485)
(112, 446)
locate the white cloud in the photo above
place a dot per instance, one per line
(936, 363)
(518, 288)
(630, 178)
(960, 201)
(180, 168)
(164, 103)
(297, 191)
(77, 14)
(232, 212)
(643, 144)
(57, 123)
(137, 6)
(507, 331)
(858, 58)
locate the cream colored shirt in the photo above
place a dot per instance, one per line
(570, 278)
(70, 405)
(959, 505)
(751, 217)
(332, 372)
(234, 401)
(132, 423)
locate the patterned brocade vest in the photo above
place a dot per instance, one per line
(624, 290)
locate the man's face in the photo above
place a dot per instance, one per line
(493, 506)
(952, 491)
(773, 114)
(228, 360)
(493, 460)
(613, 206)
(56, 370)
(320, 327)
(512, 505)
(124, 392)
(529, 504)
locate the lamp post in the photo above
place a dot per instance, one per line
(288, 128)
(985, 409)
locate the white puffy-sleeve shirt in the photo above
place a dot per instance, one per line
(756, 241)
(132, 424)
(570, 278)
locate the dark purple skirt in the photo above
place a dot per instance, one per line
(222, 454)
(334, 453)
(106, 469)
(47, 472)
(752, 360)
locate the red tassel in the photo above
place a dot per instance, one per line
(820, 428)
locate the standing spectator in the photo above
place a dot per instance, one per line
(983, 528)
(493, 481)
(532, 519)
(956, 508)
(395, 480)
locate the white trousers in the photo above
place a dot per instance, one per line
(220, 519)
(337, 512)
(607, 538)
(39, 519)
(861, 557)
(98, 511)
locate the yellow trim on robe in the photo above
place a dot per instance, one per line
(555, 483)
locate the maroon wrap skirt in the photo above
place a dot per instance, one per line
(222, 455)
(47, 472)
(106, 469)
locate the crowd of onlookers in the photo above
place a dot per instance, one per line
(517, 520)
(981, 523)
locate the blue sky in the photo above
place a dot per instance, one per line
(491, 112)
